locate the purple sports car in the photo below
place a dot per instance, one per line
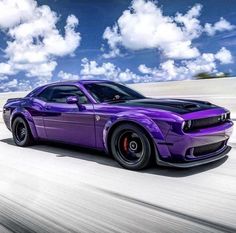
(109, 116)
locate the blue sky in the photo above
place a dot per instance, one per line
(127, 41)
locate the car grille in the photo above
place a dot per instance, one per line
(207, 122)
(208, 149)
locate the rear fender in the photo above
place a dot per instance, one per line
(22, 112)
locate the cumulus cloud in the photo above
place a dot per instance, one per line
(93, 69)
(186, 69)
(220, 26)
(13, 11)
(167, 70)
(34, 39)
(113, 39)
(144, 26)
(7, 85)
(64, 76)
(6, 69)
(109, 71)
(224, 56)
(189, 22)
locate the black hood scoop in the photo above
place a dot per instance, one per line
(180, 106)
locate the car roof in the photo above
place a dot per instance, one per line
(69, 82)
(85, 81)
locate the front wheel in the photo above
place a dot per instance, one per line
(21, 133)
(131, 147)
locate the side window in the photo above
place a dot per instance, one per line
(59, 94)
(45, 95)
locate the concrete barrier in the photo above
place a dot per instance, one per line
(219, 91)
(8, 95)
(207, 87)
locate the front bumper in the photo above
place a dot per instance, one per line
(188, 164)
(179, 148)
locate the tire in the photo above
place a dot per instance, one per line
(21, 132)
(130, 147)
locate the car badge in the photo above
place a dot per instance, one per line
(98, 118)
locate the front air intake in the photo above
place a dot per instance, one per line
(208, 149)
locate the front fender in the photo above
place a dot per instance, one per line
(138, 118)
(27, 116)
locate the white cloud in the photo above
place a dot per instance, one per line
(204, 63)
(167, 70)
(6, 69)
(3, 78)
(224, 56)
(144, 26)
(189, 22)
(220, 26)
(129, 76)
(56, 45)
(34, 39)
(146, 70)
(12, 12)
(107, 70)
(91, 68)
(186, 69)
(8, 85)
(113, 39)
(41, 70)
(67, 76)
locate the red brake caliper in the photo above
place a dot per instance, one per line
(126, 144)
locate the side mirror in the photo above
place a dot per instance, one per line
(75, 100)
(72, 100)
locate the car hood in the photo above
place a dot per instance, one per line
(179, 106)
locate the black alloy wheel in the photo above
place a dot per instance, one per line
(21, 132)
(131, 147)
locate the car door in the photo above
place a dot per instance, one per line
(67, 122)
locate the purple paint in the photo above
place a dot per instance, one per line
(179, 129)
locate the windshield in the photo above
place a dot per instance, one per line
(111, 92)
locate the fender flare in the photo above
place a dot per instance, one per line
(22, 112)
(140, 119)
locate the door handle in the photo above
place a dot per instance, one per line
(48, 107)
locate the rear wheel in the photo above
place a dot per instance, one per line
(131, 147)
(21, 132)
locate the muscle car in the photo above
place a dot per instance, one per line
(109, 116)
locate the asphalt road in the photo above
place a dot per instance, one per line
(55, 188)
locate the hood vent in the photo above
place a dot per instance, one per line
(173, 105)
(190, 106)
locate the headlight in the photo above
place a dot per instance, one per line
(225, 116)
(187, 125)
(228, 115)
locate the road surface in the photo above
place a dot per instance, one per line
(55, 188)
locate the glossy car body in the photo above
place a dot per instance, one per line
(165, 121)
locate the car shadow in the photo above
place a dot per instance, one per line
(65, 150)
(183, 172)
